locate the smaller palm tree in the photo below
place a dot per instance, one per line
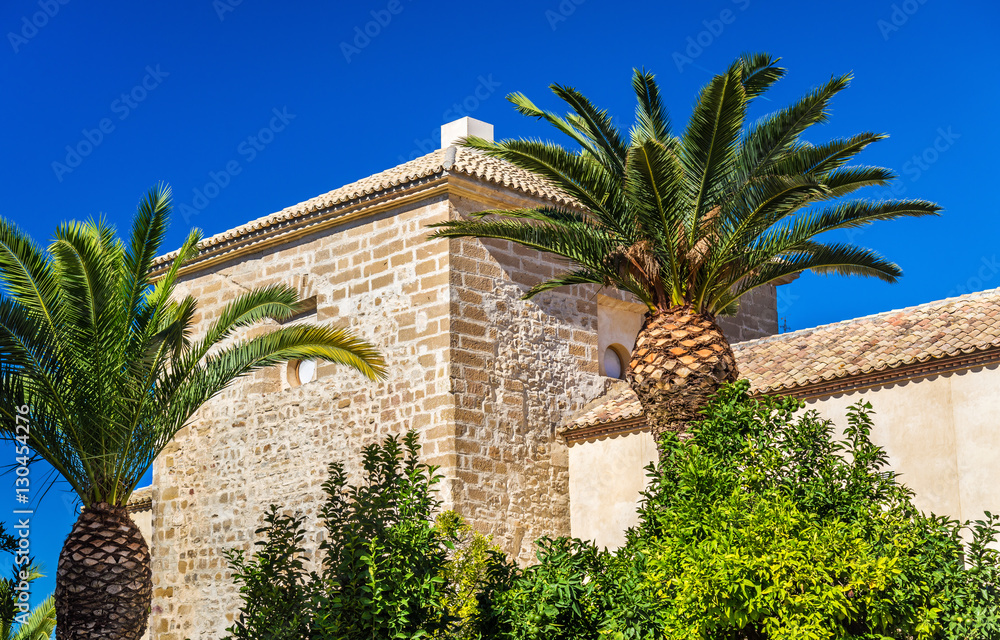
(36, 624)
(99, 370)
(691, 223)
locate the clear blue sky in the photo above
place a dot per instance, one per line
(183, 88)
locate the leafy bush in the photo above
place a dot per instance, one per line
(758, 525)
(761, 525)
(467, 570)
(383, 559)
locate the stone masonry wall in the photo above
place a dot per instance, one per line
(263, 441)
(519, 369)
(757, 317)
(485, 377)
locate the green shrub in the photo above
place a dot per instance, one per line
(762, 525)
(383, 560)
(759, 525)
(467, 570)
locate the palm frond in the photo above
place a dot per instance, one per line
(580, 276)
(581, 243)
(579, 177)
(841, 259)
(182, 395)
(858, 213)
(708, 148)
(599, 128)
(651, 119)
(822, 159)
(148, 230)
(758, 72)
(772, 137)
(40, 623)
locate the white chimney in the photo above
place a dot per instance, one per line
(466, 127)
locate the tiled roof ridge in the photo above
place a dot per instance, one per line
(448, 161)
(880, 314)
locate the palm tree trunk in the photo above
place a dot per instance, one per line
(104, 584)
(680, 359)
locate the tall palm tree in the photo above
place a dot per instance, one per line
(689, 224)
(100, 363)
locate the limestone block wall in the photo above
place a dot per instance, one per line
(519, 369)
(485, 377)
(757, 317)
(263, 441)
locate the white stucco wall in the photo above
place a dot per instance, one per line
(618, 323)
(941, 433)
(606, 477)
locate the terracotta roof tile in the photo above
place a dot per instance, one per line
(852, 348)
(452, 160)
(619, 403)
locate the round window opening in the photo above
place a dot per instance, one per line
(303, 372)
(614, 364)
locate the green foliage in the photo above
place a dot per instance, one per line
(275, 585)
(762, 525)
(698, 218)
(98, 368)
(556, 598)
(764, 521)
(467, 570)
(385, 565)
(16, 621)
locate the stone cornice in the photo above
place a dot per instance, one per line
(441, 184)
(306, 224)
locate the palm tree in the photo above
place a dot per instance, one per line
(689, 224)
(99, 370)
(36, 624)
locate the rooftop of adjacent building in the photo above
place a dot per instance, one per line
(935, 337)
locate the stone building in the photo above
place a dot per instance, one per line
(485, 377)
(931, 373)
